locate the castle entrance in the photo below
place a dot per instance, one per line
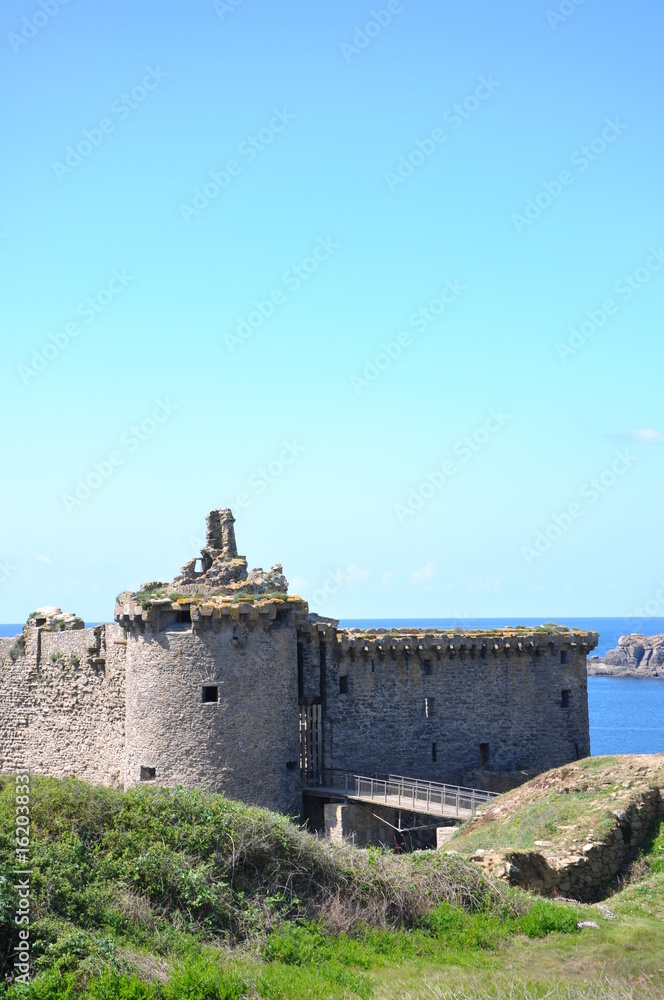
(311, 744)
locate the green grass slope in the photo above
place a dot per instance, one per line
(162, 894)
(565, 807)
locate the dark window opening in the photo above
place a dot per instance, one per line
(210, 693)
(429, 708)
(292, 765)
(563, 656)
(322, 674)
(427, 667)
(184, 615)
(343, 684)
(564, 697)
(300, 670)
(577, 752)
(40, 621)
(147, 773)
(373, 669)
(484, 754)
(434, 752)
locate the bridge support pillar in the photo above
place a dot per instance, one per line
(359, 824)
(444, 834)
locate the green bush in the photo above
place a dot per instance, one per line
(653, 849)
(545, 917)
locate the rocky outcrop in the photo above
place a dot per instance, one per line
(634, 656)
(584, 874)
(587, 820)
(52, 620)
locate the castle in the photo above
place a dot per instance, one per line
(221, 679)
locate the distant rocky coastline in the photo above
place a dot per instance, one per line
(634, 656)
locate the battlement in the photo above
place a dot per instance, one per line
(498, 642)
(198, 611)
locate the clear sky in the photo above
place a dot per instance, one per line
(386, 280)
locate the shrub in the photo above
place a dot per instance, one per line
(18, 649)
(545, 917)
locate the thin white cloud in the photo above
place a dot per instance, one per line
(644, 435)
(422, 574)
(44, 559)
(354, 574)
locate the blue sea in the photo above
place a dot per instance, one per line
(626, 713)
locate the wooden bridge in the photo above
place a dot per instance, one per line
(427, 797)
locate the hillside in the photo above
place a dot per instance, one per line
(159, 894)
(570, 830)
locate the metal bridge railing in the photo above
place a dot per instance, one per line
(406, 793)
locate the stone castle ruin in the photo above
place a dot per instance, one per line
(221, 679)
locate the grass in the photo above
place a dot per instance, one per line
(539, 820)
(251, 596)
(160, 894)
(566, 806)
(147, 597)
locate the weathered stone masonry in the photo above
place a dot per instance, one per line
(223, 680)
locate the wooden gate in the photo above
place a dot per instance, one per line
(311, 744)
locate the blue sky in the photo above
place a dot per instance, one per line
(386, 280)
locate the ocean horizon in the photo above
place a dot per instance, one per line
(626, 713)
(609, 629)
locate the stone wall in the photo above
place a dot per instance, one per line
(359, 825)
(583, 876)
(216, 692)
(444, 707)
(244, 740)
(62, 703)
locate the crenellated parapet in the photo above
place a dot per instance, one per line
(427, 642)
(201, 612)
